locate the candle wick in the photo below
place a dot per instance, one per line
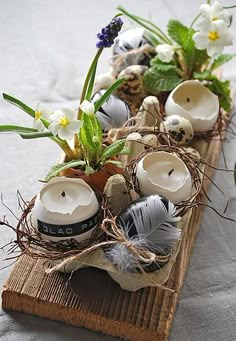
(188, 99)
(63, 194)
(170, 172)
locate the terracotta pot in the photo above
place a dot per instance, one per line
(96, 180)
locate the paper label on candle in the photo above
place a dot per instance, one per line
(68, 230)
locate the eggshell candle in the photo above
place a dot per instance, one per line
(165, 174)
(192, 100)
(66, 208)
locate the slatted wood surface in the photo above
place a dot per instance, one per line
(93, 300)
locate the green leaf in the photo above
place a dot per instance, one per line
(157, 81)
(222, 90)
(36, 135)
(178, 32)
(205, 75)
(161, 65)
(89, 170)
(87, 133)
(108, 93)
(16, 129)
(116, 163)
(19, 104)
(222, 59)
(114, 149)
(55, 170)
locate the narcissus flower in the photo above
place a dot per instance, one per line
(87, 107)
(213, 36)
(215, 12)
(41, 113)
(64, 123)
(165, 52)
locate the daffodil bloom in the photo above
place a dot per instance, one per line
(213, 36)
(41, 113)
(64, 123)
(215, 12)
(87, 107)
(165, 52)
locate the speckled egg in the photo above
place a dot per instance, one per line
(133, 79)
(179, 128)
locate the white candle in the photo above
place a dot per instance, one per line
(66, 208)
(165, 174)
(192, 100)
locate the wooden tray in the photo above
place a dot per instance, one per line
(93, 300)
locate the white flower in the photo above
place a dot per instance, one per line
(87, 107)
(215, 12)
(213, 36)
(165, 52)
(64, 123)
(41, 112)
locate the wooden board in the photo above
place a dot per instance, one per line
(93, 300)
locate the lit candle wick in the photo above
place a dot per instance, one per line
(63, 194)
(170, 172)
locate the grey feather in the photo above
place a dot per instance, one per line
(113, 113)
(129, 40)
(155, 230)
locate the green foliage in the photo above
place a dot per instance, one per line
(108, 93)
(19, 104)
(16, 129)
(114, 149)
(222, 90)
(156, 80)
(55, 170)
(222, 59)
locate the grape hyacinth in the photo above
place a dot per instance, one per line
(109, 33)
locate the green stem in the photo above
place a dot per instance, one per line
(228, 7)
(65, 147)
(87, 79)
(142, 22)
(195, 19)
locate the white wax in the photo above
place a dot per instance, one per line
(64, 197)
(166, 174)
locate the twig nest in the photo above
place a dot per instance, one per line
(192, 100)
(193, 152)
(165, 174)
(113, 113)
(132, 89)
(66, 208)
(129, 40)
(179, 128)
(149, 224)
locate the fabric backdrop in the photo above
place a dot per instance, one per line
(46, 48)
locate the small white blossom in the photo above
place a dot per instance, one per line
(41, 112)
(215, 12)
(165, 52)
(64, 123)
(87, 107)
(213, 36)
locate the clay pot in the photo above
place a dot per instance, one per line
(96, 180)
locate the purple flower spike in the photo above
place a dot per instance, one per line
(109, 33)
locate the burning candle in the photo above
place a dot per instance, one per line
(66, 208)
(192, 100)
(165, 174)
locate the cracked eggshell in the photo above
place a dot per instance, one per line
(192, 100)
(65, 208)
(179, 128)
